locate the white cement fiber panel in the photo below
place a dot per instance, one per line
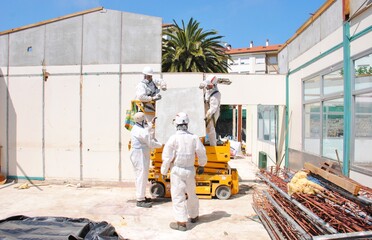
(175, 100)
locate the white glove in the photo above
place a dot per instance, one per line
(156, 97)
(202, 85)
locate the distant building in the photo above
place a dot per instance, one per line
(165, 26)
(254, 60)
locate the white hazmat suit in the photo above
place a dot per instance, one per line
(212, 99)
(141, 144)
(180, 151)
(147, 91)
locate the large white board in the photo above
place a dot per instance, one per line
(188, 100)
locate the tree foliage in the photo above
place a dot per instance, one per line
(191, 49)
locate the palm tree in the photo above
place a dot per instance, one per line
(190, 49)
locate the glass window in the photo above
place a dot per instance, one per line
(312, 128)
(363, 131)
(273, 60)
(312, 88)
(260, 125)
(333, 128)
(272, 133)
(266, 126)
(266, 123)
(333, 82)
(260, 60)
(363, 72)
(363, 115)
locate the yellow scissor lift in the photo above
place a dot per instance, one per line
(218, 179)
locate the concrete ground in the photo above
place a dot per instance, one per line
(219, 219)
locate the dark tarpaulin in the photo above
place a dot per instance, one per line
(53, 228)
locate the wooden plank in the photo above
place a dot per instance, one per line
(342, 182)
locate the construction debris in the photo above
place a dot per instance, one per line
(300, 184)
(288, 212)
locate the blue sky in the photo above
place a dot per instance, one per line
(239, 21)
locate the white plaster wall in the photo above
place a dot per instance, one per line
(100, 127)
(128, 88)
(91, 108)
(254, 89)
(3, 122)
(361, 44)
(62, 127)
(361, 178)
(251, 130)
(25, 126)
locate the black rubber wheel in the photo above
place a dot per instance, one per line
(223, 192)
(157, 190)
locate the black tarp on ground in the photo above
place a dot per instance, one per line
(53, 228)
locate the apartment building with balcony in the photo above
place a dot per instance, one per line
(254, 59)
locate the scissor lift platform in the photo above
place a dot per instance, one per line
(218, 180)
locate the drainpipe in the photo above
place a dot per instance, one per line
(347, 99)
(286, 162)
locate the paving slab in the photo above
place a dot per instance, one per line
(115, 203)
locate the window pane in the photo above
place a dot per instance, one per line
(312, 88)
(266, 129)
(260, 123)
(363, 131)
(272, 125)
(333, 82)
(260, 60)
(312, 128)
(273, 60)
(333, 130)
(266, 123)
(363, 72)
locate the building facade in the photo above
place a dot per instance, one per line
(254, 59)
(328, 67)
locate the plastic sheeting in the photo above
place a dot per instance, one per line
(55, 228)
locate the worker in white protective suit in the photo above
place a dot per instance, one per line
(212, 102)
(179, 155)
(141, 143)
(148, 92)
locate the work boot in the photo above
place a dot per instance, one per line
(180, 226)
(148, 199)
(144, 204)
(195, 219)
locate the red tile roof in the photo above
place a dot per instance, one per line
(166, 25)
(270, 48)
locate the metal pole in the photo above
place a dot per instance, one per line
(312, 215)
(286, 216)
(347, 99)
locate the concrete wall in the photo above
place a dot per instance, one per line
(308, 41)
(62, 128)
(71, 126)
(103, 37)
